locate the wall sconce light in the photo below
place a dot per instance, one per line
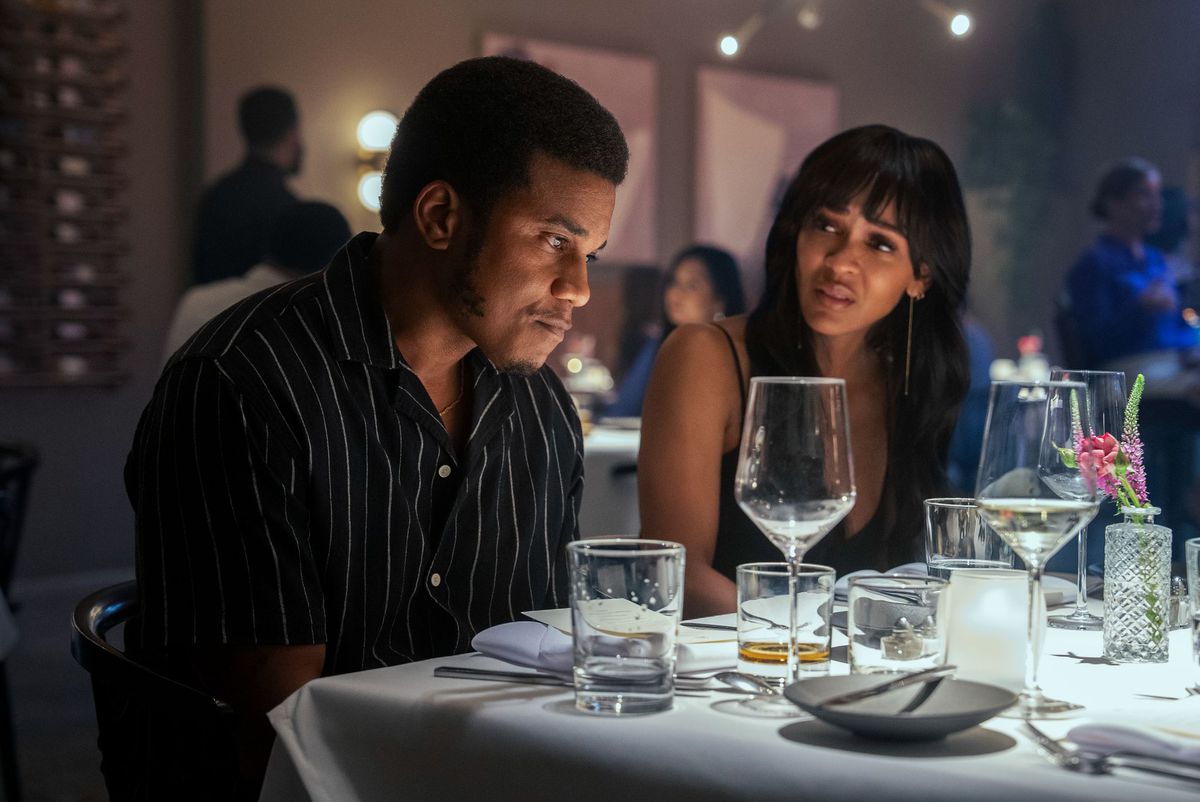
(375, 132)
(959, 22)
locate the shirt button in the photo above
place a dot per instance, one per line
(444, 471)
(435, 579)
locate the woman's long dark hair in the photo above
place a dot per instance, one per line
(915, 174)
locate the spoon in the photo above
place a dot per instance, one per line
(746, 682)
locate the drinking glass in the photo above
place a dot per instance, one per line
(896, 623)
(764, 604)
(795, 475)
(1032, 497)
(626, 596)
(986, 641)
(956, 537)
(1106, 403)
(1191, 555)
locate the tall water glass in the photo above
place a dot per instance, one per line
(795, 474)
(1106, 403)
(626, 597)
(956, 537)
(1033, 497)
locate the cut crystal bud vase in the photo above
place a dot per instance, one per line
(1137, 587)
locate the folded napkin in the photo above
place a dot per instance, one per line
(1056, 589)
(534, 645)
(1174, 733)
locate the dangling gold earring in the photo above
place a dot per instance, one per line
(908, 343)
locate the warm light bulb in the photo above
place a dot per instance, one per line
(729, 45)
(375, 130)
(574, 365)
(960, 24)
(369, 187)
(809, 16)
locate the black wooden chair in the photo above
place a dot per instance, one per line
(17, 463)
(152, 727)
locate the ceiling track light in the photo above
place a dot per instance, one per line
(958, 22)
(732, 44)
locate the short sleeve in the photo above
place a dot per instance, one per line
(218, 489)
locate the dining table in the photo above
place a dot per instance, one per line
(403, 733)
(610, 501)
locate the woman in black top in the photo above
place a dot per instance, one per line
(871, 236)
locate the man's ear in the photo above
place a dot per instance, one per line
(437, 213)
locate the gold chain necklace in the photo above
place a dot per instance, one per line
(461, 386)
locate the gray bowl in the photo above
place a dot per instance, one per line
(955, 705)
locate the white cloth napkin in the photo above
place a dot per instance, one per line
(534, 645)
(1056, 590)
(1173, 733)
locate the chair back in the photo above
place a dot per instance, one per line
(17, 463)
(159, 738)
(100, 612)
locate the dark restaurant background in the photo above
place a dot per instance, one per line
(1108, 78)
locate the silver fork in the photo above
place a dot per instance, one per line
(1094, 763)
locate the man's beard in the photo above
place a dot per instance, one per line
(463, 290)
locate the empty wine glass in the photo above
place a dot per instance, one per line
(795, 475)
(1033, 495)
(1106, 403)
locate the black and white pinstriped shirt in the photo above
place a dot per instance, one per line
(293, 484)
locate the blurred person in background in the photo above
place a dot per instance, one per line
(237, 210)
(1124, 302)
(703, 284)
(303, 239)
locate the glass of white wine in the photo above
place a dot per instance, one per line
(795, 475)
(1106, 403)
(1033, 497)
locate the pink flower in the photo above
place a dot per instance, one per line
(1099, 454)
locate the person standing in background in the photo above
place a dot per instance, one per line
(1124, 302)
(303, 239)
(236, 212)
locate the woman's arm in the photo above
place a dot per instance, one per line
(691, 416)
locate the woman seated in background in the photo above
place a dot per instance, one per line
(871, 238)
(701, 285)
(1123, 297)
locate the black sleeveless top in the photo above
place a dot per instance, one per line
(740, 541)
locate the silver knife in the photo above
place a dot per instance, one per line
(462, 672)
(899, 682)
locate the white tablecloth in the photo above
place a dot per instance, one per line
(610, 503)
(401, 733)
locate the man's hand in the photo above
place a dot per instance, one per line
(252, 680)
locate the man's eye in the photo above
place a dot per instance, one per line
(591, 257)
(556, 242)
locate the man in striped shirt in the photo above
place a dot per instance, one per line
(369, 465)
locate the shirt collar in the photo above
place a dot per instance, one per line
(358, 325)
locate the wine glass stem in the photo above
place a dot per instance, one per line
(794, 558)
(1081, 599)
(1032, 691)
